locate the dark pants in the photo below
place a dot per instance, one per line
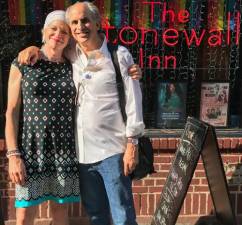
(103, 188)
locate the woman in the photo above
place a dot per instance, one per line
(39, 128)
(173, 98)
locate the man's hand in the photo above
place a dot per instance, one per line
(130, 158)
(17, 170)
(29, 56)
(135, 72)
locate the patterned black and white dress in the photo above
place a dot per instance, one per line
(46, 134)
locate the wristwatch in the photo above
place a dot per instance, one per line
(134, 141)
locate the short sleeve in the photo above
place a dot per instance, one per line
(16, 64)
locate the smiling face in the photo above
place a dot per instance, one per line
(84, 27)
(56, 34)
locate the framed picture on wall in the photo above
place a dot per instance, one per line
(214, 103)
(171, 104)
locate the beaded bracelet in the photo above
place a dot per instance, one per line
(12, 153)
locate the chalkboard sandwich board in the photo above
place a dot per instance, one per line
(198, 138)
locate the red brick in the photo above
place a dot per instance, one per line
(172, 143)
(157, 159)
(155, 189)
(234, 143)
(231, 159)
(200, 174)
(157, 199)
(160, 182)
(156, 143)
(188, 202)
(149, 182)
(144, 203)
(220, 143)
(191, 189)
(226, 143)
(202, 204)
(157, 166)
(140, 189)
(138, 183)
(199, 166)
(195, 203)
(240, 143)
(160, 174)
(201, 189)
(163, 159)
(137, 205)
(163, 143)
(165, 166)
(204, 181)
(195, 181)
(151, 208)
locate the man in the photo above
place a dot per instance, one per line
(101, 133)
(106, 147)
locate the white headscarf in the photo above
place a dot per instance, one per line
(55, 15)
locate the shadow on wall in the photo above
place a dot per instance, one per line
(208, 220)
(234, 178)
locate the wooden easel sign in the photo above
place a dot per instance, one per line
(198, 138)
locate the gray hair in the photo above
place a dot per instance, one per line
(92, 8)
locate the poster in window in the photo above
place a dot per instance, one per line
(214, 103)
(171, 104)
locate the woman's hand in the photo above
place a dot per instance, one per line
(17, 170)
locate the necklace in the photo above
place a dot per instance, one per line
(44, 56)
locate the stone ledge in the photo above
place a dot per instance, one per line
(171, 143)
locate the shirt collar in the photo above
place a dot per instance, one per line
(103, 49)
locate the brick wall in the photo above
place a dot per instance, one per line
(146, 192)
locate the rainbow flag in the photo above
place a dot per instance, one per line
(26, 12)
(13, 9)
(119, 13)
(157, 18)
(100, 6)
(195, 10)
(220, 22)
(141, 15)
(232, 6)
(216, 14)
(107, 9)
(176, 6)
